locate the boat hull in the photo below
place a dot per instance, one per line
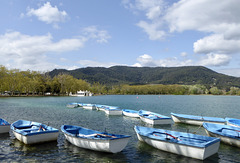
(4, 129)
(199, 122)
(89, 107)
(37, 138)
(130, 114)
(113, 112)
(225, 139)
(111, 146)
(184, 150)
(154, 118)
(156, 121)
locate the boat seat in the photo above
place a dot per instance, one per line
(72, 131)
(30, 130)
(23, 126)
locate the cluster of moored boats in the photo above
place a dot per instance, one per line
(186, 144)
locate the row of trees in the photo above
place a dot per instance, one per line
(173, 89)
(16, 82)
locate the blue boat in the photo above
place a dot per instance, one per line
(130, 113)
(72, 105)
(113, 110)
(95, 140)
(4, 126)
(89, 106)
(233, 122)
(195, 120)
(186, 144)
(30, 132)
(154, 118)
(101, 107)
(228, 134)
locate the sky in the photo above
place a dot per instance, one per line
(43, 35)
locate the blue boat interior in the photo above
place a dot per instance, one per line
(130, 111)
(233, 121)
(77, 131)
(151, 115)
(223, 130)
(232, 132)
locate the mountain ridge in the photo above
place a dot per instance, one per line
(187, 75)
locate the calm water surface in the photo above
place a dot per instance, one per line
(53, 110)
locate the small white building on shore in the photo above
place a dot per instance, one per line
(81, 93)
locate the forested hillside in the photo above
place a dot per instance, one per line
(116, 75)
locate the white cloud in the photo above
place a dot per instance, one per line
(215, 60)
(92, 32)
(147, 61)
(219, 20)
(217, 44)
(30, 52)
(153, 10)
(48, 14)
(152, 29)
(208, 16)
(183, 54)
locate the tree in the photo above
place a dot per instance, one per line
(215, 91)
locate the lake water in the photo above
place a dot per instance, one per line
(53, 111)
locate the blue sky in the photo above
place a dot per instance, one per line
(44, 35)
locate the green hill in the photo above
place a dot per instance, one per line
(188, 75)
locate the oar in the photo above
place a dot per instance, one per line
(106, 135)
(41, 128)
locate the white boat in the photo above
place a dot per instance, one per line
(94, 140)
(101, 107)
(195, 120)
(233, 122)
(228, 134)
(154, 118)
(30, 132)
(89, 106)
(72, 105)
(4, 126)
(112, 110)
(130, 113)
(186, 144)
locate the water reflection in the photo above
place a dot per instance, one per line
(86, 155)
(4, 136)
(46, 147)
